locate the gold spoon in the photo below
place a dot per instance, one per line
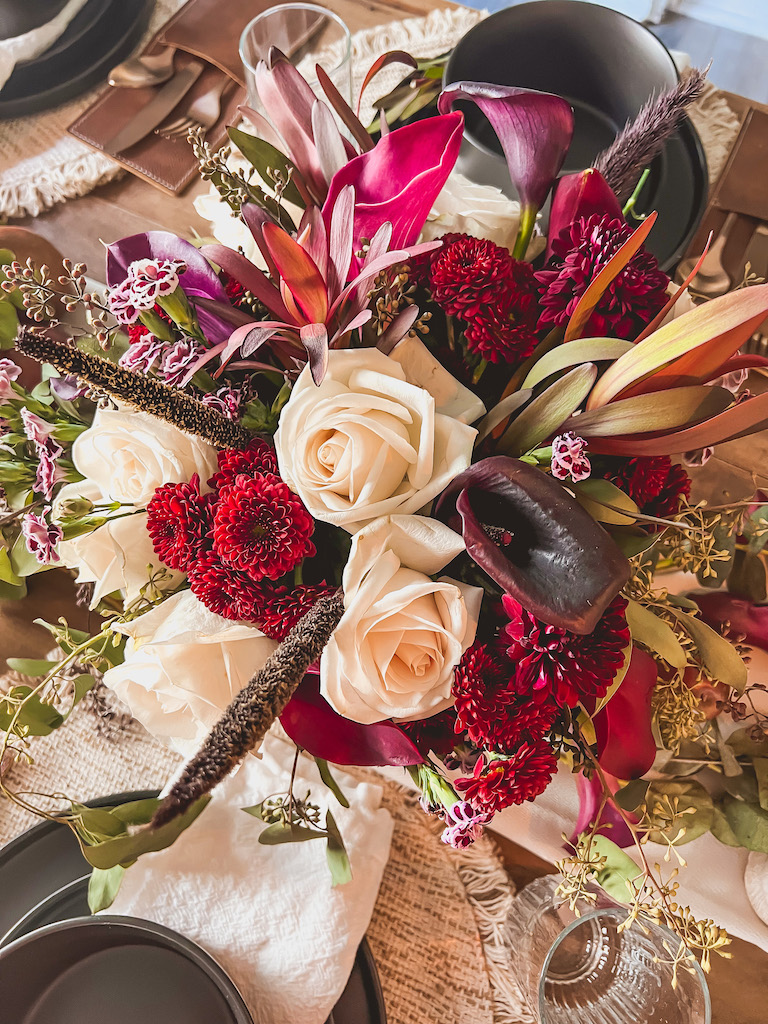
(149, 69)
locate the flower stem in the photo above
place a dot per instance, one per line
(524, 231)
(629, 208)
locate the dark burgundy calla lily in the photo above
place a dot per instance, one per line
(199, 280)
(745, 618)
(535, 541)
(535, 131)
(579, 195)
(311, 722)
(609, 821)
(625, 744)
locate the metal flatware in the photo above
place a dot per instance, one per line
(203, 112)
(712, 279)
(149, 69)
(159, 107)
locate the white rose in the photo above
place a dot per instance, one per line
(367, 442)
(128, 454)
(480, 210)
(402, 634)
(115, 556)
(183, 665)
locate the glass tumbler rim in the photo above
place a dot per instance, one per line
(347, 35)
(604, 912)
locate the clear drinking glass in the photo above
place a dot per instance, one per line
(584, 969)
(307, 35)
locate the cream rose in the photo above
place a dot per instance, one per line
(402, 634)
(116, 556)
(368, 441)
(128, 454)
(480, 210)
(183, 665)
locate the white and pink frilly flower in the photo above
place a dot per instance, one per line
(148, 280)
(568, 458)
(9, 372)
(41, 537)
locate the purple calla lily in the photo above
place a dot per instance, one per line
(535, 130)
(399, 179)
(198, 281)
(579, 195)
(311, 722)
(625, 744)
(608, 820)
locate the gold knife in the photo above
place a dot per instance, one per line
(158, 108)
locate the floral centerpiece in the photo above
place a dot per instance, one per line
(386, 480)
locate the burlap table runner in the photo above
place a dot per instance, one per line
(437, 931)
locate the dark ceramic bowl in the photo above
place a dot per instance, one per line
(120, 970)
(605, 64)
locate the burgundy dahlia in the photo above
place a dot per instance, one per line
(278, 609)
(498, 782)
(488, 707)
(468, 274)
(258, 457)
(261, 527)
(224, 590)
(553, 664)
(179, 522)
(654, 484)
(505, 331)
(631, 300)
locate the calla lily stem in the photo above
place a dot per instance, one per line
(524, 231)
(629, 208)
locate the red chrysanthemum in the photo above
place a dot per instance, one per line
(505, 330)
(631, 300)
(436, 734)
(499, 782)
(278, 609)
(469, 274)
(552, 663)
(179, 523)
(258, 457)
(488, 707)
(654, 483)
(261, 527)
(224, 590)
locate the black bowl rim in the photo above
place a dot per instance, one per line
(170, 940)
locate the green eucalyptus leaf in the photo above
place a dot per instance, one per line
(756, 530)
(718, 656)
(743, 745)
(721, 830)
(37, 718)
(31, 667)
(9, 324)
(263, 157)
(255, 810)
(631, 540)
(596, 495)
(691, 801)
(546, 414)
(619, 875)
(103, 887)
(748, 824)
(127, 848)
(742, 786)
(747, 577)
(279, 833)
(136, 812)
(81, 685)
(7, 575)
(652, 632)
(632, 795)
(760, 765)
(331, 783)
(96, 824)
(336, 854)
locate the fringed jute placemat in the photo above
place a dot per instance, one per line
(41, 165)
(437, 931)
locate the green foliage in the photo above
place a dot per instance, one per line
(748, 824)
(654, 634)
(718, 657)
(103, 887)
(619, 874)
(755, 530)
(747, 577)
(714, 574)
(264, 158)
(683, 811)
(601, 499)
(331, 783)
(336, 854)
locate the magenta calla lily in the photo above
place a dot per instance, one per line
(579, 195)
(535, 131)
(311, 722)
(398, 180)
(198, 281)
(608, 820)
(625, 744)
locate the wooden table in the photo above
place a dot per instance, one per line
(130, 205)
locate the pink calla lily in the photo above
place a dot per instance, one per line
(609, 821)
(535, 131)
(579, 195)
(625, 744)
(399, 179)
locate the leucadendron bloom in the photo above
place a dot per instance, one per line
(371, 439)
(127, 454)
(402, 633)
(183, 666)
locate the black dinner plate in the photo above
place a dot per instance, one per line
(102, 34)
(44, 880)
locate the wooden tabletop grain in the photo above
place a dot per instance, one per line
(123, 207)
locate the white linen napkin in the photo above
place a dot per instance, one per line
(35, 42)
(268, 914)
